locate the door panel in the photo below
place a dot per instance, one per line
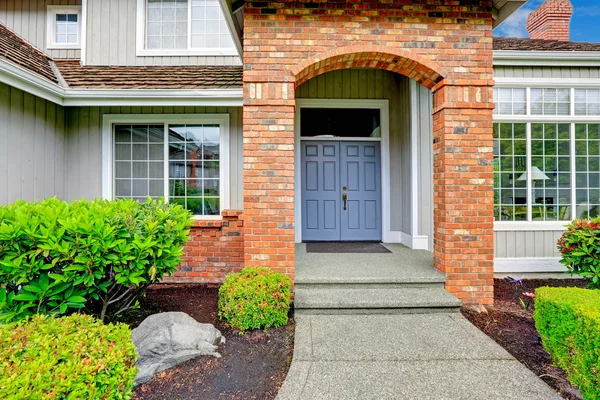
(361, 175)
(321, 196)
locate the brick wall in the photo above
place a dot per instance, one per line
(215, 249)
(445, 45)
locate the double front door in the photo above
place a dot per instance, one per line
(341, 191)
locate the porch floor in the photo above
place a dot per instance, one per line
(402, 265)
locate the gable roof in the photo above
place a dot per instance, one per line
(155, 77)
(518, 44)
(17, 51)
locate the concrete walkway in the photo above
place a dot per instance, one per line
(404, 356)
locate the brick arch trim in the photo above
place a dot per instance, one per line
(425, 71)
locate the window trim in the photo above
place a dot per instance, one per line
(51, 13)
(140, 40)
(108, 141)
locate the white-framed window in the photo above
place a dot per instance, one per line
(183, 27)
(183, 158)
(547, 159)
(64, 27)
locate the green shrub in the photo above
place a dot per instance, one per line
(580, 249)
(568, 320)
(255, 298)
(73, 357)
(94, 255)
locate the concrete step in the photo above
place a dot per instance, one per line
(373, 300)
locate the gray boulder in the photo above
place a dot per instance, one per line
(167, 339)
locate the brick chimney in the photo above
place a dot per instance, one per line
(551, 21)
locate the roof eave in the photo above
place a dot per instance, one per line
(29, 82)
(504, 9)
(546, 58)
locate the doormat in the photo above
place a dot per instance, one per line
(345, 247)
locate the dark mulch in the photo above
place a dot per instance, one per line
(511, 326)
(253, 365)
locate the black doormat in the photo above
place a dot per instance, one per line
(345, 247)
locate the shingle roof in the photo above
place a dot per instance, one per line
(17, 51)
(502, 43)
(175, 77)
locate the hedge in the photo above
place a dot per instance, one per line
(568, 320)
(58, 257)
(580, 249)
(73, 357)
(255, 298)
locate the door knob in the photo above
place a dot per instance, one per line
(344, 198)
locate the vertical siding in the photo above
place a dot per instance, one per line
(425, 162)
(111, 38)
(28, 18)
(526, 244)
(31, 147)
(546, 72)
(84, 146)
(376, 84)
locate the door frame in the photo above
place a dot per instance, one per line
(384, 115)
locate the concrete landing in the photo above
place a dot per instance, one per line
(407, 356)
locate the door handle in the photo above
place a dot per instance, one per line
(344, 198)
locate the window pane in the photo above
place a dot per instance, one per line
(550, 101)
(166, 24)
(509, 101)
(587, 168)
(194, 175)
(550, 173)
(136, 175)
(587, 102)
(510, 179)
(208, 26)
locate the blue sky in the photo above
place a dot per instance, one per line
(584, 25)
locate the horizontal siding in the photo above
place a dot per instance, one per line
(547, 72)
(32, 147)
(84, 146)
(111, 38)
(359, 84)
(526, 244)
(28, 18)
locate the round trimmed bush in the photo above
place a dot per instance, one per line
(255, 298)
(74, 357)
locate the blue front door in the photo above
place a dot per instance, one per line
(341, 191)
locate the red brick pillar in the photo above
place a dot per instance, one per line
(269, 173)
(464, 189)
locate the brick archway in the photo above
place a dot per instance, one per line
(405, 62)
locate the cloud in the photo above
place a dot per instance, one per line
(514, 26)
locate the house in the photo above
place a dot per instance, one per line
(282, 122)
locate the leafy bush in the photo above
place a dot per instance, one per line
(255, 298)
(99, 255)
(568, 320)
(74, 357)
(580, 249)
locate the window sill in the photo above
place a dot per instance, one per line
(530, 226)
(186, 53)
(207, 217)
(63, 47)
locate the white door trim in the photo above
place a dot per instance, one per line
(384, 109)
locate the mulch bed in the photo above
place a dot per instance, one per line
(511, 326)
(252, 366)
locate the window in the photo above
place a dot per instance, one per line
(64, 27)
(183, 161)
(546, 159)
(184, 27)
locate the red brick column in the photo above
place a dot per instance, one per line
(269, 173)
(463, 188)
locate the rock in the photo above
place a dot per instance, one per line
(167, 339)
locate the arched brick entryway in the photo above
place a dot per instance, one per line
(286, 46)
